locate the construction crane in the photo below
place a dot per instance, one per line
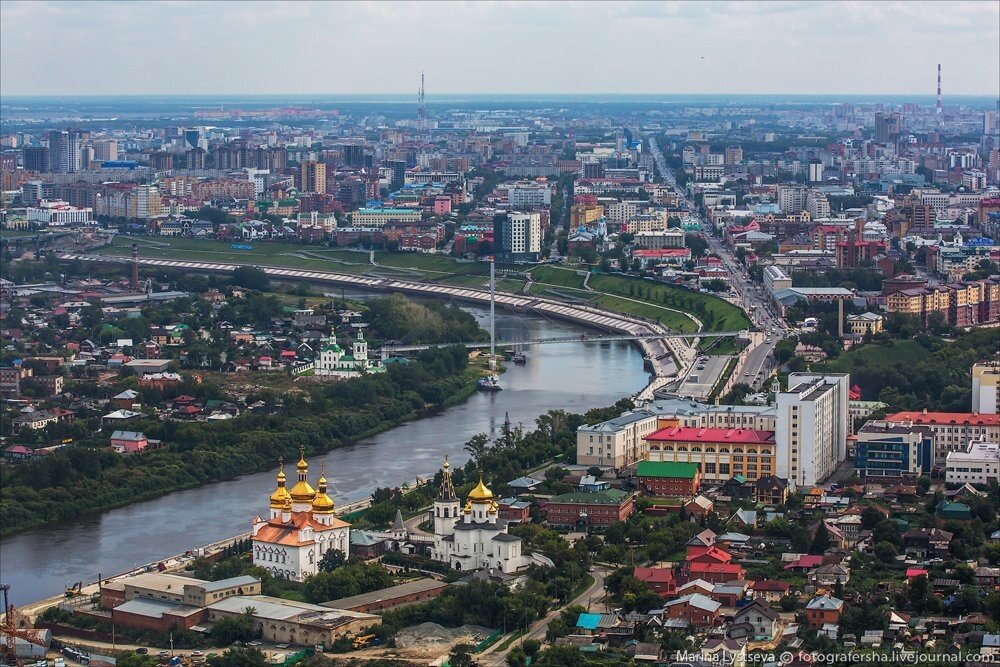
(11, 633)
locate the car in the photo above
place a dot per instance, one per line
(747, 374)
(197, 653)
(142, 650)
(255, 643)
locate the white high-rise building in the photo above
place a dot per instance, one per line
(812, 428)
(979, 464)
(986, 387)
(792, 198)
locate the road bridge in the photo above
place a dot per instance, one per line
(664, 351)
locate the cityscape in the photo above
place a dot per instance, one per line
(448, 344)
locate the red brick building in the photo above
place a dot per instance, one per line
(822, 610)
(660, 579)
(585, 510)
(668, 478)
(697, 609)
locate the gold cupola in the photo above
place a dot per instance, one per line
(281, 493)
(322, 503)
(480, 494)
(302, 492)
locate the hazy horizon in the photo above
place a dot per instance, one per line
(497, 48)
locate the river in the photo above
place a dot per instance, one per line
(572, 376)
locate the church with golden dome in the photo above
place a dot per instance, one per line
(301, 527)
(472, 537)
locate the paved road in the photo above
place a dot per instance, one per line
(759, 361)
(590, 598)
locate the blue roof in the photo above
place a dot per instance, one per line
(588, 621)
(389, 210)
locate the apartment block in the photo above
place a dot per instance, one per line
(986, 387)
(953, 431)
(811, 434)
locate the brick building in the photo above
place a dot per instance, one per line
(585, 510)
(668, 478)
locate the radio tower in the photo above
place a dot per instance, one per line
(938, 99)
(421, 109)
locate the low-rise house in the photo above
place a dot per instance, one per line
(698, 610)
(824, 610)
(729, 594)
(762, 619)
(718, 651)
(698, 508)
(743, 519)
(829, 575)
(128, 442)
(660, 579)
(927, 542)
(126, 400)
(585, 510)
(771, 490)
(121, 417)
(769, 590)
(33, 420)
(513, 510)
(668, 478)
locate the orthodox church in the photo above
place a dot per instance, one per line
(300, 529)
(334, 361)
(472, 537)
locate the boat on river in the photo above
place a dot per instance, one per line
(489, 383)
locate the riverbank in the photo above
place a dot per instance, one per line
(237, 466)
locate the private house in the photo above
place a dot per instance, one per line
(698, 610)
(128, 442)
(762, 620)
(769, 590)
(718, 651)
(927, 542)
(824, 610)
(829, 575)
(660, 579)
(698, 507)
(771, 490)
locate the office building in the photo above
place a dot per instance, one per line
(883, 450)
(517, 237)
(313, 175)
(105, 150)
(811, 434)
(979, 463)
(720, 453)
(985, 394)
(618, 442)
(887, 127)
(36, 158)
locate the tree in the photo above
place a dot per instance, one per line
(885, 552)
(240, 656)
(331, 560)
(870, 517)
(821, 541)
(251, 277)
(232, 629)
(460, 655)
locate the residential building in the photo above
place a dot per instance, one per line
(698, 610)
(529, 195)
(668, 478)
(58, 214)
(811, 434)
(660, 239)
(313, 175)
(517, 237)
(824, 610)
(128, 442)
(581, 511)
(884, 450)
(763, 620)
(719, 453)
(618, 442)
(953, 431)
(979, 464)
(986, 387)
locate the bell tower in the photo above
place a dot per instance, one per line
(447, 507)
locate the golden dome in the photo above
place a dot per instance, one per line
(281, 493)
(446, 464)
(481, 493)
(494, 508)
(322, 503)
(468, 507)
(302, 492)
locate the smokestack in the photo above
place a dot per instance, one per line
(939, 90)
(135, 266)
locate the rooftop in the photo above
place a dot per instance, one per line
(691, 434)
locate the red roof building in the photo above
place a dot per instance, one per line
(660, 579)
(715, 573)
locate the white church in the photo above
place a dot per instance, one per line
(334, 361)
(473, 537)
(300, 528)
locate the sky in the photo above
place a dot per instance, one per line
(198, 47)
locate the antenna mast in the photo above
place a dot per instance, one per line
(421, 109)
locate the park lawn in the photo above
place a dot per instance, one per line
(906, 352)
(715, 313)
(429, 263)
(669, 318)
(556, 276)
(510, 285)
(348, 256)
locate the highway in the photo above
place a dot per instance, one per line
(759, 360)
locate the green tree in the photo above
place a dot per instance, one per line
(460, 655)
(331, 560)
(821, 540)
(251, 277)
(239, 657)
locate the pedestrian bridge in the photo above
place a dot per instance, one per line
(391, 350)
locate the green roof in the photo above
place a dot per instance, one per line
(675, 469)
(606, 497)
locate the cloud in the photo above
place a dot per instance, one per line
(179, 46)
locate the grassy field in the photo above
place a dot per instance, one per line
(510, 285)
(717, 314)
(552, 275)
(289, 260)
(908, 352)
(673, 319)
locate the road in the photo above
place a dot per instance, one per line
(759, 361)
(587, 599)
